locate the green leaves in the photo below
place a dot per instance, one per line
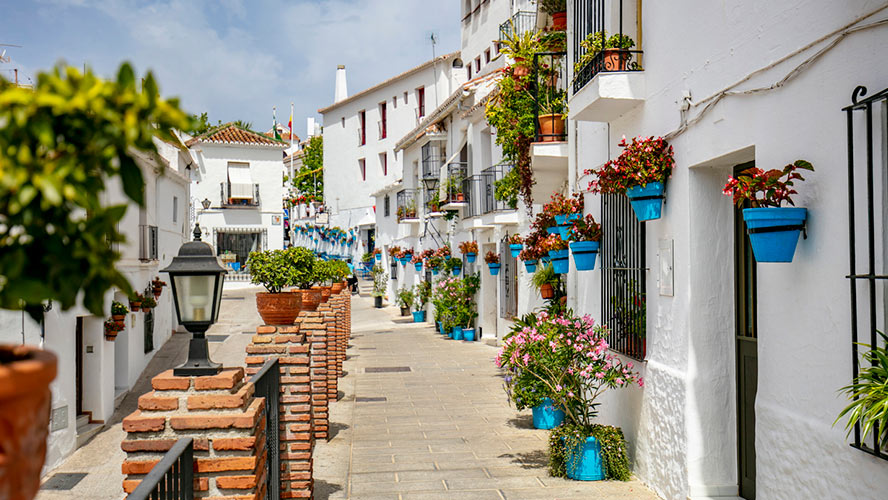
(869, 394)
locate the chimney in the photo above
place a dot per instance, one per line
(341, 87)
(310, 127)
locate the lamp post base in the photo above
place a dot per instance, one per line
(199, 363)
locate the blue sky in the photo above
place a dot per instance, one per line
(234, 59)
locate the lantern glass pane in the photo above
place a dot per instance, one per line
(220, 279)
(195, 297)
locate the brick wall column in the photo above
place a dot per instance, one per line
(291, 348)
(311, 323)
(222, 415)
(341, 302)
(328, 314)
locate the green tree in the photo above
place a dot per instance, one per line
(202, 124)
(60, 145)
(309, 180)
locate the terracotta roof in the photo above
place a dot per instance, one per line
(232, 134)
(432, 62)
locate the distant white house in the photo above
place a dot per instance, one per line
(239, 174)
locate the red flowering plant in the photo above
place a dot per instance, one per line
(402, 254)
(442, 251)
(531, 250)
(377, 251)
(427, 253)
(394, 251)
(766, 189)
(643, 161)
(585, 229)
(491, 257)
(468, 247)
(417, 258)
(564, 205)
(552, 242)
(515, 239)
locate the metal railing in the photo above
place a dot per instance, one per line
(473, 188)
(407, 204)
(520, 23)
(491, 176)
(591, 16)
(268, 385)
(147, 242)
(432, 160)
(229, 202)
(453, 185)
(549, 89)
(431, 204)
(172, 478)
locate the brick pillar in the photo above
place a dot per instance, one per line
(311, 323)
(222, 415)
(291, 348)
(328, 314)
(341, 320)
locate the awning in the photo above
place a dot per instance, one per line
(241, 181)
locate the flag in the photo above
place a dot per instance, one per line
(290, 123)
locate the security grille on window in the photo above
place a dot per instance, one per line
(623, 276)
(386, 206)
(508, 281)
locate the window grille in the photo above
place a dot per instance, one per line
(623, 269)
(593, 16)
(867, 284)
(508, 279)
(149, 330)
(386, 206)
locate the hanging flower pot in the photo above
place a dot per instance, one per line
(546, 416)
(417, 266)
(456, 271)
(470, 257)
(647, 201)
(583, 461)
(559, 21)
(515, 249)
(468, 334)
(530, 265)
(560, 260)
(378, 257)
(584, 254)
(564, 231)
(565, 218)
(494, 269)
(547, 291)
(774, 232)
(434, 271)
(552, 229)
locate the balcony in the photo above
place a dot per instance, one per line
(406, 211)
(610, 82)
(432, 160)
(521, 22)
(239, 198)
(548, 154)
(455, 196)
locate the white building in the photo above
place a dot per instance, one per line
(94, 373)
(241, 173)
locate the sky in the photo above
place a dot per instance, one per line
(234, 59)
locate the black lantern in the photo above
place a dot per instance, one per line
(206, 203)
(197, 278)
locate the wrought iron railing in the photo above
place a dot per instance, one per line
(473, 189)
(549, 89)
(229, 202)
(491, 176)
(147, 242)
(407, 204)
(593, 16)
(432, 160)
(172, 478)
(453, 185)
(432, 200)
(520, 23)
(267, 382)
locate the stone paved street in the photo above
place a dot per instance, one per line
(444, 429)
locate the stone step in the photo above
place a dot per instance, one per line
(86, 431)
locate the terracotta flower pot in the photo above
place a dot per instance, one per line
(547, 291)
(25, 374)
(135, 306)
(337, 287)
(615, 60)
(278, 308)
(311, 299)
(552, 127)
(111, 335)
(559, 21)
(326, 292)
(118, 317)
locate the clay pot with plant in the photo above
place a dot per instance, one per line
(558, 10)
(118, 311)
(612, 49)
(546, 281)
(271, 269)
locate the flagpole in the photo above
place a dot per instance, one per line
(291, 124)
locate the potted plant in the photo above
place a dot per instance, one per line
(421, 293)
(558, 10)
(157, 286)
(640, 172)
(545, 280)
(435, 262)
(520, 47)
(563, 210)
(612, 49)
(773, 229)
(585, 238)
(470, 250)
(380, 278)
(118, 311)
(112, 328)
(454, 189)
(557, 250)
(552, 104)
(443, 252)
(493, 262)
(148, 301)
(435, 202)
(405, 300)
(377, 254)
(135, 302)
(869, 394)
(453, 266)
(467, 309)
(515, 244)
(417, 262)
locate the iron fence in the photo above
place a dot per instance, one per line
(549, 89)
(623, 271)
(591, 17)
(453, 187)
(172, 478)
(267, 382)
(520, 23)
(407, 201)
(491, 176)
(229, 202)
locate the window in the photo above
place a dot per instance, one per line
(147, 242)
(362, 128)
(496, 47)
(486, 56)
(469, 72)
(383, 116)
(395, 102)
(405, 97)
(420, 101)
(383, 163)
(386, 206)
(478, 64)
(362, 166)
(175, 208)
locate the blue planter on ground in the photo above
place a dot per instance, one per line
(647, 201)
(546, 416)
(470, 257)
(441, 327)
(583, 461)
(560, 260)
(584, 253)
(418, 316)
(494, 269)
(530, 265)
(378, 257)
(456, 333)
(515, 249)
(468, 334)
(418, 266)
(774, 232)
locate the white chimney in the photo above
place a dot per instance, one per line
(341, 87)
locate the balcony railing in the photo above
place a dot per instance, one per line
(593, 17)
(453, 186)
(491, 176)
(229, 202)
(432, 159)
(521, 22)
(407, 204)
(473, 189)
(147, 242)
(549, 89)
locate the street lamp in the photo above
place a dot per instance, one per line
(197, 278)
(206, 203)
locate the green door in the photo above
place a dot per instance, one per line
(747, 357)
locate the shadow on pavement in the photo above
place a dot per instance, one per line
(323, 489)
(334, 428)
(521, 422)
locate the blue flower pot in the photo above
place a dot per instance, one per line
(470, 257)
(494, 269)
(563, 219)
(377, 256)
(560, 260)
(530, 265)
(456, 333)
(583, 461)
(441, 327)
(447, 257)
(552, 230)
(564, 231)
(418, 316)
(774, 232)
(418, 266)
(647, 201)
(584, 253)
(546, 416)
(515, 249)
(456, 271)
(468, 334)
(434, 271)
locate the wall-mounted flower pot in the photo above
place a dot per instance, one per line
(118, 317)
(456, 333)
(559, 21)
(647, 201)
(279, 308)
(470, 257)
(583, 461)
(468, 334)
(552, 229)
(417, 266)
(774, 232)
(377, 256)
(551, 127)
(564, 231)
(515, 249)
(25, 399)
(530, 265)
(547, 291)
(564, 219)
(494, 269)
(434, 271)
(546, 416)
(377, 302)
(560, 260)
(418, 316)
(584, 254)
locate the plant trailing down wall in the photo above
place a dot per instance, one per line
(308, 182)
